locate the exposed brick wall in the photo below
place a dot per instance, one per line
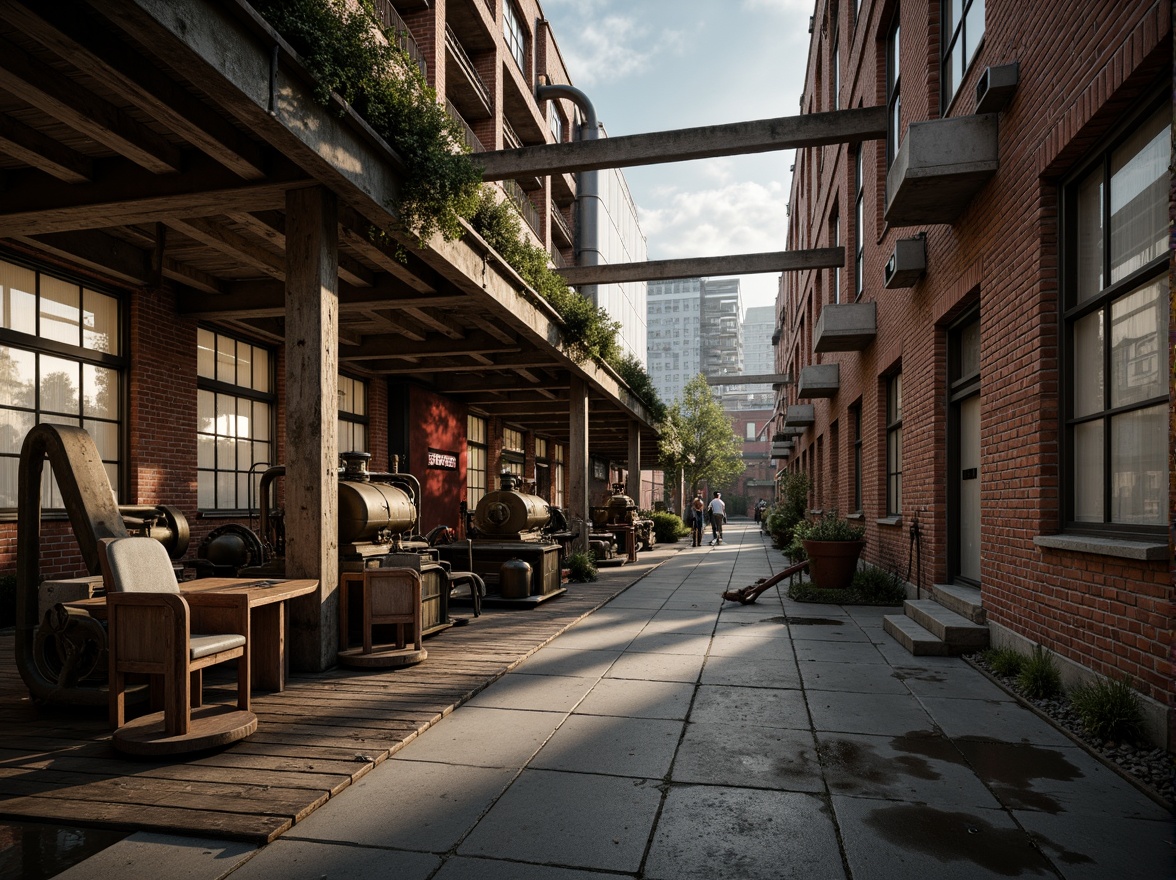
(1081, 67)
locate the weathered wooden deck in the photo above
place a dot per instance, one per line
(313, 740)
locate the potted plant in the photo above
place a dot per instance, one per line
(833, 545)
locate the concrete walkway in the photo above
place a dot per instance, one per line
(671, 736)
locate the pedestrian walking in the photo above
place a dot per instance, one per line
(718, 515)
(697, 510)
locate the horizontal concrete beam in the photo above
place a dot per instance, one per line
(758, 379)
(655, 148)
(699, 267)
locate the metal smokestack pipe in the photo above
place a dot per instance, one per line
(587, 184)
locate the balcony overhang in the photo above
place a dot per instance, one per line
(792, 430)
(781, 450)
(845, 327)
(819, 380)
(940, 167)
(800, 415)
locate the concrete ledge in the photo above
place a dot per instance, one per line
(1121, 547)
(889, 521)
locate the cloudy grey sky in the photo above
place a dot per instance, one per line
(653, 65)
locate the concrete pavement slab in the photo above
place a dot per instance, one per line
(811, 627)
(837, 652)
(575, 662)
(637, 747)
(631, 698)
(140, 856)
(997, 720)
(765, 707)
(753, 649)
(871, 678)
(924, 769)
(1056, 780)
(574, 820)
(1094, 847)
(883, 714)
(545, 693)
(484, 737)
(333, 861)
(496, 869)
(682, 621)
(708, 832)
(657, 667)
(778, 673)
(670, 643)
(958, 682)
(749, 756)
(892, 840)
(408, 805)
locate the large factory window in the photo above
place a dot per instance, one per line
(353, 417)
(475, 460)
(513, 451)
(557, 475)
(61, 363)
(234, 420)
(542, 470)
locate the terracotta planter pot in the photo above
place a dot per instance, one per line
(832, 563)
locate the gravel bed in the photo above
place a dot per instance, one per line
(1153, 768)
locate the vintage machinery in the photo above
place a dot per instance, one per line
(618, 520)
(512, 524)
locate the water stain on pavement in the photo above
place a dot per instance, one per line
(958, 837)
(812, 621)
(1010, 770)
(902, 673)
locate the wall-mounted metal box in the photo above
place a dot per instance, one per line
(907, 264)
(995, 87)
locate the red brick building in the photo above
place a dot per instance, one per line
(989, 362)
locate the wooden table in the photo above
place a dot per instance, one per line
(267, 619)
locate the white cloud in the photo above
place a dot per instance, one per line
(781, 7)
(740, 218)
(607, 50)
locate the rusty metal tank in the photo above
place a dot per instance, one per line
(508, 512)
(366, 509)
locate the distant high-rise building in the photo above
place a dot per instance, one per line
(695, 326)
(758, 356)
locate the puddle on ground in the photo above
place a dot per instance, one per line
(1010, 769)
(902, 673)
(958, 837)
(813, 621)
(861, 763)
(32, 851)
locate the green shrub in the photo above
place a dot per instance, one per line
(1039, 677)
(668, 527)
(581, 567)
(7, 600)
(879, 585)
(1109, 709)
(1004, 661)
(795, 548)
(831, 527)
(788, 511)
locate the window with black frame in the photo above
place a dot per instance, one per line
(61, 362)
(476, 460)
(893, 91)
(353, 415)
(894, 445)
(515, 33)
(961, 31)
(855, 420)
(859, 235)
(1116, 318)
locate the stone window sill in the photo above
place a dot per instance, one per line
(889, 521)
(1121, 547)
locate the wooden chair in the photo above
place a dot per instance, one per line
(153, 629)
(392, 596)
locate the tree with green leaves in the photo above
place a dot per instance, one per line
(697, 439)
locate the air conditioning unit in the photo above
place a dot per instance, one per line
(908, 263)
(995, 87)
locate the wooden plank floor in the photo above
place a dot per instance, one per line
(314, 739)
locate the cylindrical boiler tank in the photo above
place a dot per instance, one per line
(366, 509)
(508, 512)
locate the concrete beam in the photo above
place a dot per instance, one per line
(757, 379)
(699, 267)
(655, 148)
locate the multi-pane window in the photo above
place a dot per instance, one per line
(513, 452)
(859, 237)
(750, 431)
(855, 420)
(555, 122)
(1116, 323)
(893, 92)
(835, 55)
(557, 475)
(894, 445)
(353, 415)
(542, 469)
(515, 33)
(963, 27)
(61, 363)
(234, 420)
(835, 241)
(475, 460)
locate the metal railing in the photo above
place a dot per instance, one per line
(453, 44)
(510, 140)
(557, 258)
(472, 140)
(519, 199)
(558, 221)
(399, 34)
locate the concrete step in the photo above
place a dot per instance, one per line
(913, 637)
(964, 601)
(959, 634)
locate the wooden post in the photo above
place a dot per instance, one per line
(633, 484)
(312, 412)
(578, 459)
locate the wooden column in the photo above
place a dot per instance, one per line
(578, 459)
(633, 484)
(312, 412)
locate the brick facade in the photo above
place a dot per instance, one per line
(1082, 68)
